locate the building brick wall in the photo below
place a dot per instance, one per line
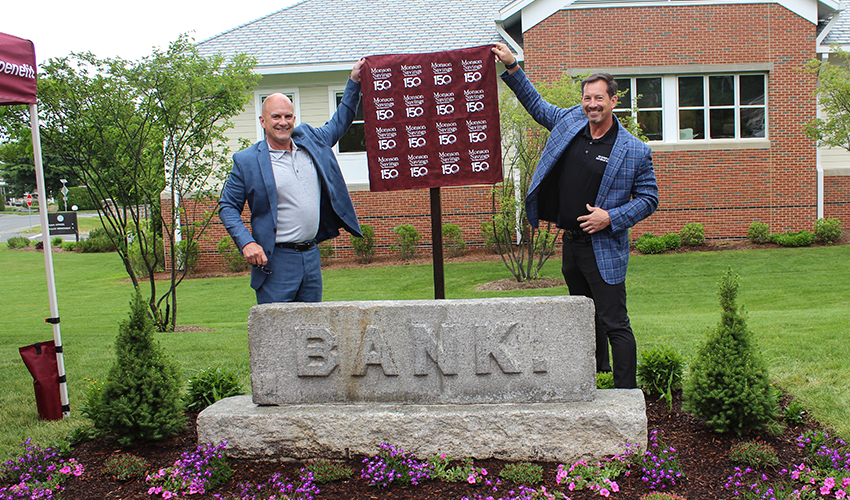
(836, 192)
(466, 206)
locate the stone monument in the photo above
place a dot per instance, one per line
(506, 378)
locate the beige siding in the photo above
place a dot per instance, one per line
(835, 161)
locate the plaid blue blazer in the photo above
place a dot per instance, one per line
(628, 190)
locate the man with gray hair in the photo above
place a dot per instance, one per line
(297, 196)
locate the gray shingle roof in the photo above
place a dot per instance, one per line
(840, 31)
(332, 31)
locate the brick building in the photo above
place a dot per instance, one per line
(715, 85)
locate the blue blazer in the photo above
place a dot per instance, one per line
(252, 180)
(628, 190)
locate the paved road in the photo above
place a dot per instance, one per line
(12, 223)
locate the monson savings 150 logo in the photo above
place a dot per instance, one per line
(442, 72)
(381, 77)
(383, 107)
(447, 133)
(386, 137)
(411, 75)
(389, 167)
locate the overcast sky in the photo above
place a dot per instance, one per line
(126, 29)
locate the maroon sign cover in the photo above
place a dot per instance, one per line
(432, 120)
(17, 71)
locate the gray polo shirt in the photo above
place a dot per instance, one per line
(297, 195)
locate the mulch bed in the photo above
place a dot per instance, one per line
(703, 456)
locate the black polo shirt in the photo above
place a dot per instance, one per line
(581, 169)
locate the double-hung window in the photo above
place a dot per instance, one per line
(644, 95)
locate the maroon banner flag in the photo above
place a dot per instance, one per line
(432, 120)
(17, 70)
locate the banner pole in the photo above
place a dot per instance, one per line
(48, 259)
(437, 243)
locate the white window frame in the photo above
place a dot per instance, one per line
(707, 107)
(260, 94)
(670, 110)
(354, 164)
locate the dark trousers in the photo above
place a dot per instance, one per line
(612, 318)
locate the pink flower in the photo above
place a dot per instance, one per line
(483, 472)
(167, 494)
(615, 487)
(846, 482)
(154, 490)
(471, 479)
(830, 482)
(840, 494)
(604, 492)
(824, 490)
(572, 486)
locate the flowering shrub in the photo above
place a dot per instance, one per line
(803, 482)
(520, 493)
(596, 476)
(193, 474)
(464, 471)
(277, 489)
(522, 473)
(38, 471)
(394, 465)
(835, 456)
(659, 466)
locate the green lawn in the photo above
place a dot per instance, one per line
(797, 300)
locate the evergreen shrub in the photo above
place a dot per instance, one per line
(793, 239)
(56, 241)
(453, 240)
(364, 248)
(693, 234)
(140, 400)
(728, 383)
(407, 238)
(828, 231)
(233, 259)
(758, 233)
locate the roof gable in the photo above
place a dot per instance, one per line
(535, 11)
(329, 32)
(837, 32)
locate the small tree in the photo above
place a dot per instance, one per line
(728, 384)
(140, 400)
(833, 93)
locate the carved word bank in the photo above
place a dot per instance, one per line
(534, 349)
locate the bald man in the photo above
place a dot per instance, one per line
(297, 197)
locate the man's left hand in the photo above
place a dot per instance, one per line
(595, 221)
(355, 72)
